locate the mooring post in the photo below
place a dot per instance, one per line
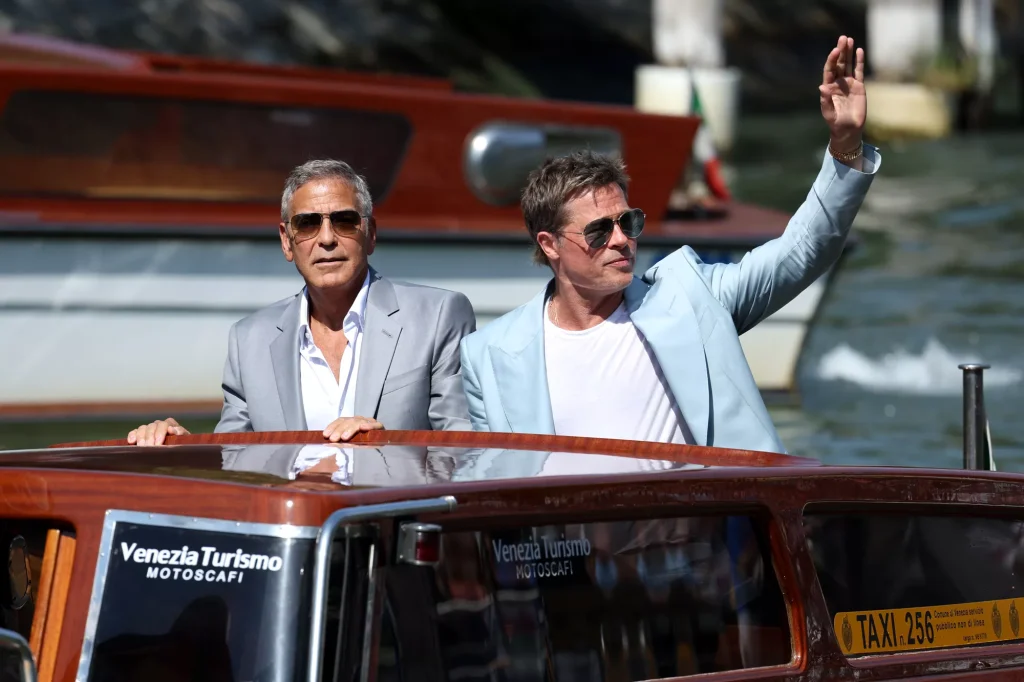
(975, 452)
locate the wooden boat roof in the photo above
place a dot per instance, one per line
(77, 486)
(386, 459)
(404, 459)
(93, 139)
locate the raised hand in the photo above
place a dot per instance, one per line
(844, 104)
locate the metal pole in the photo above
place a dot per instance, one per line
(974, 417)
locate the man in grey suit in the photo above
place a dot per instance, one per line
(353, 351)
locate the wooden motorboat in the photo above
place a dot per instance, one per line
(470, 555)
(428, 557)
(139, 197)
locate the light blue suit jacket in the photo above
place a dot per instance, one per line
(691, 314)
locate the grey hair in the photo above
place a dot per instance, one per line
(322, 169)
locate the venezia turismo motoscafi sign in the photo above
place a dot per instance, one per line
(205, 563)
(217, 583)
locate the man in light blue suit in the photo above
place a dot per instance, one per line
(603, 353)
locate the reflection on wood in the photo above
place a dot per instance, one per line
(692, 454)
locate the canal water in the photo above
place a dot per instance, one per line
(938, 280)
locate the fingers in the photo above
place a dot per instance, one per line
(156, 432)
(150, 434)
(345, 428)
(830, 67)
(841, 60)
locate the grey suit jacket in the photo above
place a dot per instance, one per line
(409, 366)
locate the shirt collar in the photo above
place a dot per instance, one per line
(354, 318)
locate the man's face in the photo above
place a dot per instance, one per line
(604, 270)
(328, 258)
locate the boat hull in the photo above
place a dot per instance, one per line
(135, 325)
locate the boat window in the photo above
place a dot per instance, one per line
(610, 600)
(94, 145)
(182, 603)
(904, 582)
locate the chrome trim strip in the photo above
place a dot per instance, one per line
(115, 516)
(12, 641)
(371, 602)
(321, 571)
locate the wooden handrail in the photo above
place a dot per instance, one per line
(694, 454)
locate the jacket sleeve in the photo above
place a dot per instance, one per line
(771, 275)
(234, 415)
(474, 395)
(448, 409)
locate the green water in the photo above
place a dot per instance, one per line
(40, 434)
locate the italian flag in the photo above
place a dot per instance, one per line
(704, 149)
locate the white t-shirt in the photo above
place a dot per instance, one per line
(604, 382)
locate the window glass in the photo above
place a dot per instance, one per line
(82, 144)
(621, 600)
(186, 604)
(900, 582)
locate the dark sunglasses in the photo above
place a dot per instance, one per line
(307, 225)
(597, 232)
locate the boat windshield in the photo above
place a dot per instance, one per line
(602, 600)
(897, 581)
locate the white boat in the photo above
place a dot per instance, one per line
(132, 238)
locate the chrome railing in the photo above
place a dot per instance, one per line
(13, 643)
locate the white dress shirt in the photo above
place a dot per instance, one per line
(310, 456)
(325, 398)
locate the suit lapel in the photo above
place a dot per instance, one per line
(284, 356)
(380, 338)
(520, 372)
(670, 326)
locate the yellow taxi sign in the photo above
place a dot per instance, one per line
(930, 627)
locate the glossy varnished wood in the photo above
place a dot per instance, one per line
(429, 193)
(780, 493)
(46, 572)
(57, 609)
(691, 454)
